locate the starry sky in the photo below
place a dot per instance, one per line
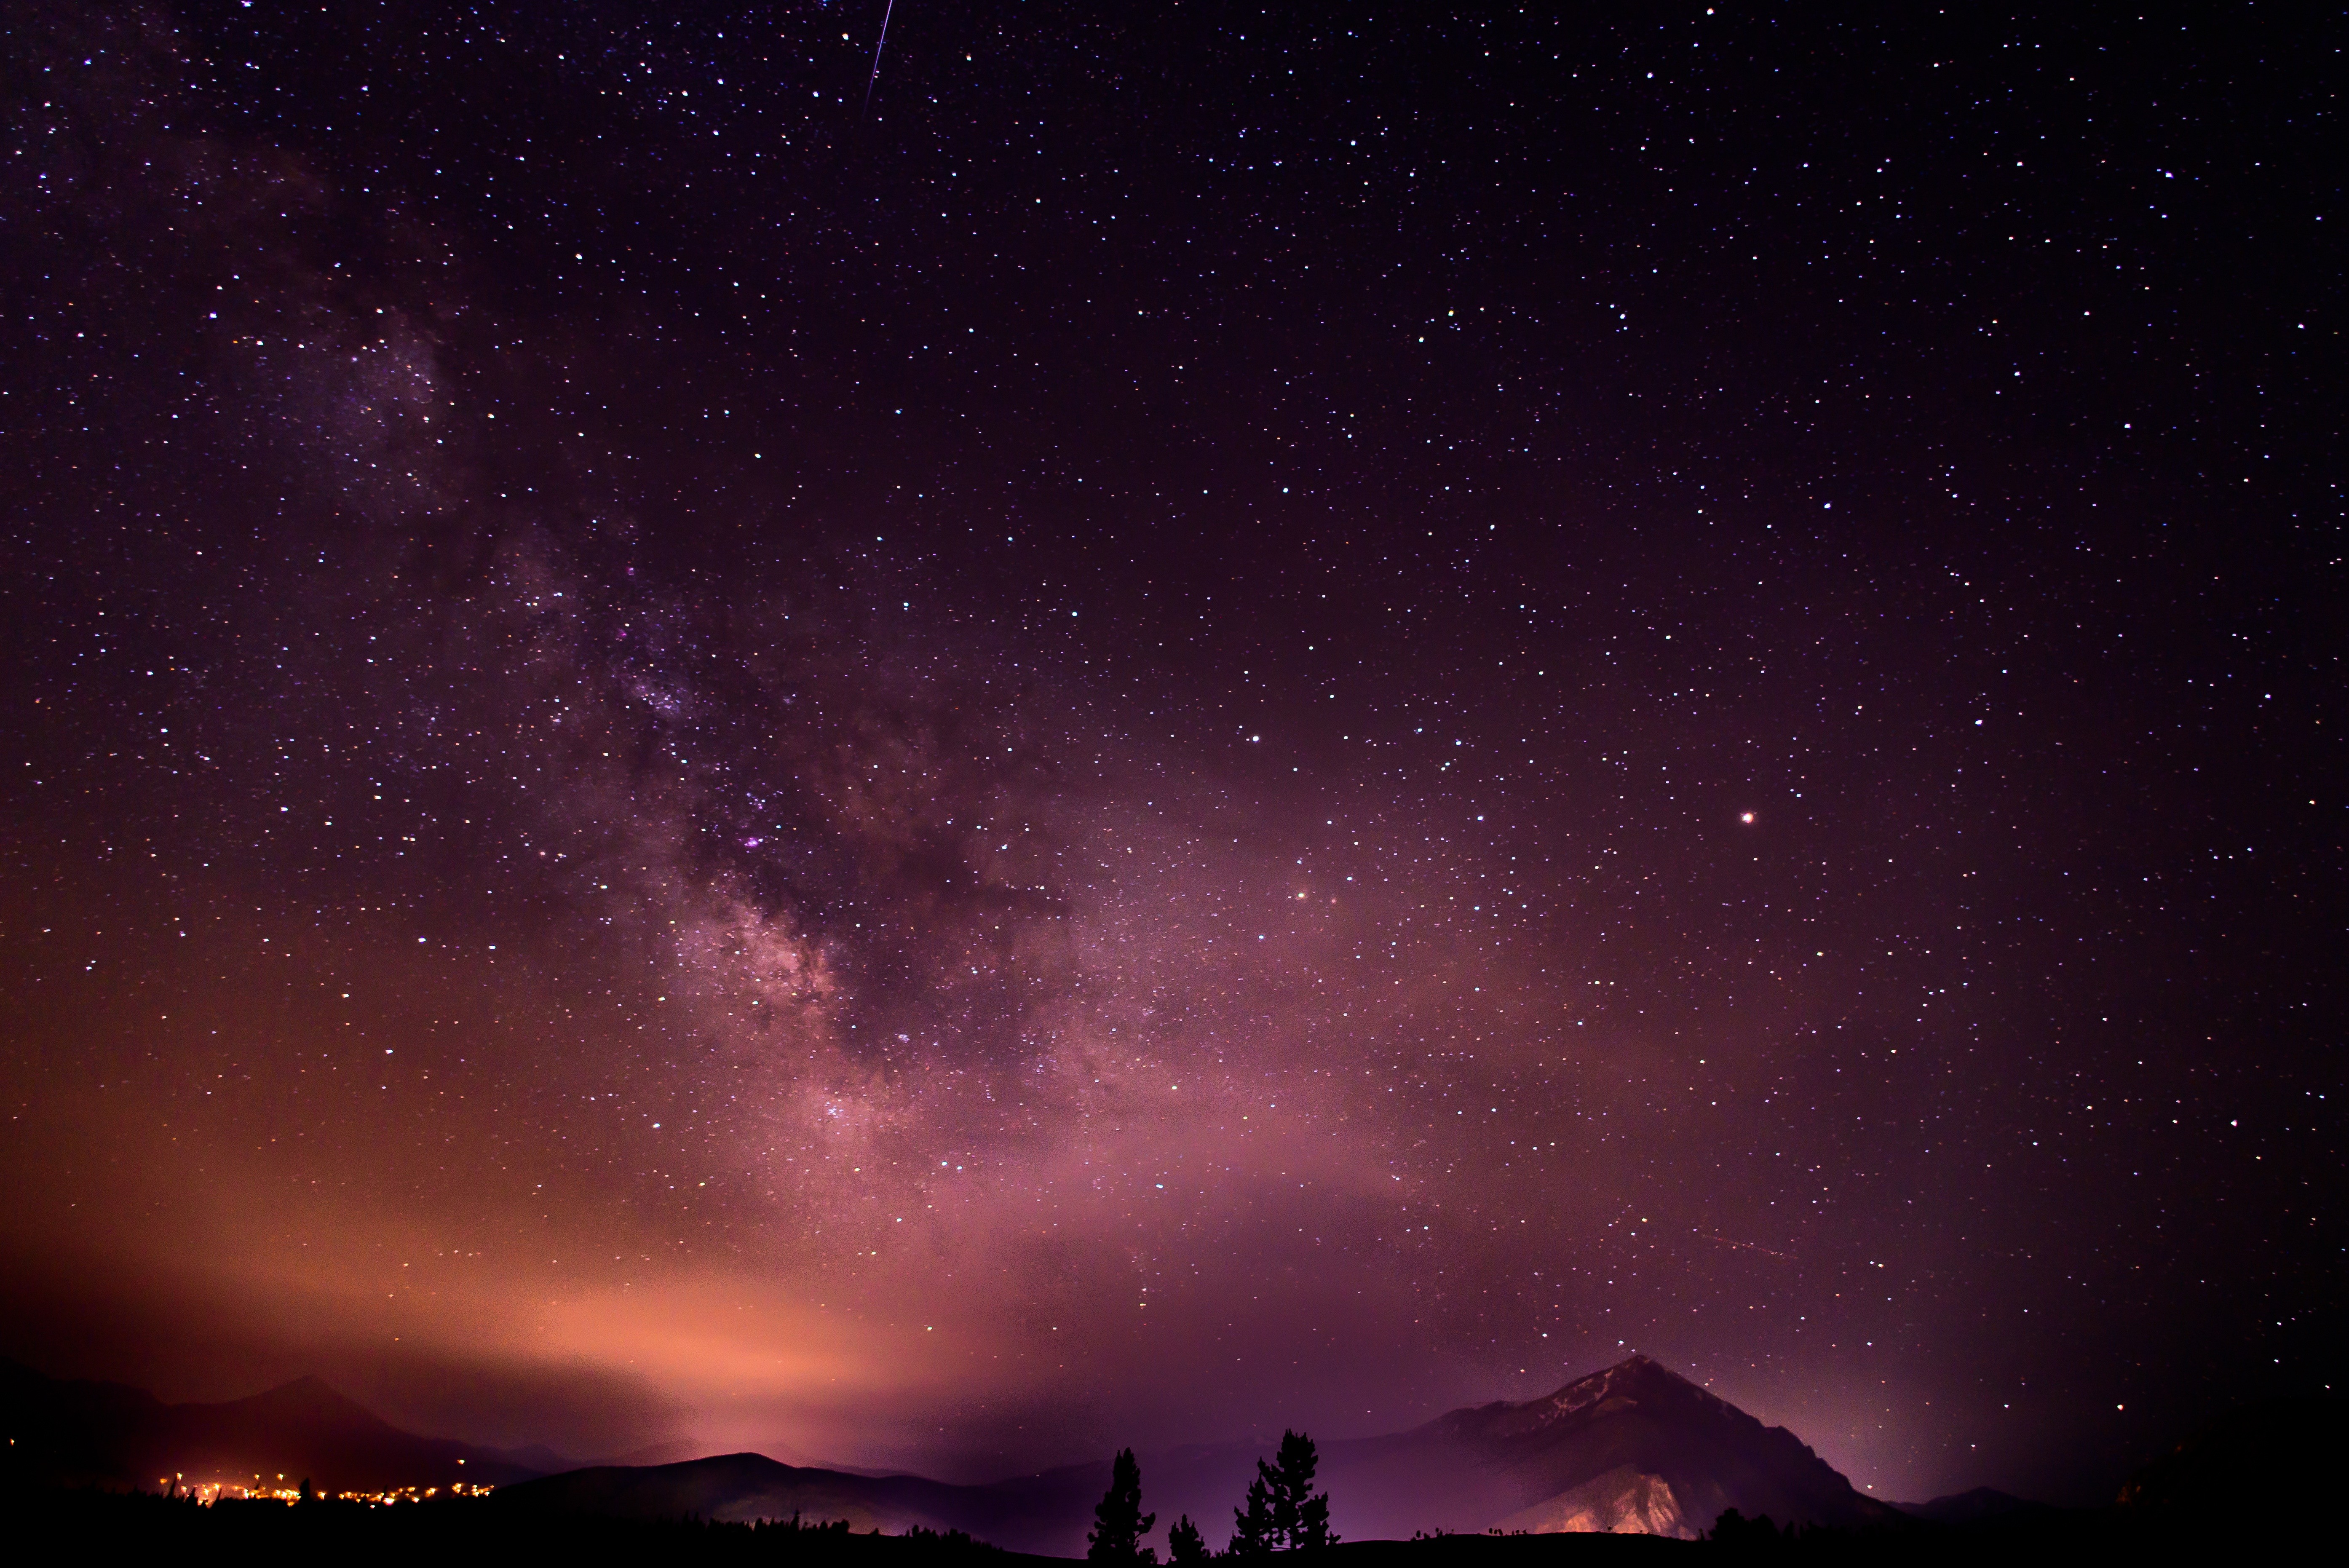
(1221, 718)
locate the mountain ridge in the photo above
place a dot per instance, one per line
(85, 1432)
(1631, 1448)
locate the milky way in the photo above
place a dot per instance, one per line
(1240, 720)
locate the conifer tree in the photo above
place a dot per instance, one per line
(1252, 1520)
(1300, 1515)
(1313, 1530)
(1283, 1512)
(1119, 1524)
(1184, 1544)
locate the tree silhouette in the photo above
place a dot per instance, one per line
(1252, 1520)
(1184, 1543)
(1119, 1524)
(1313, 1530)
(1300, 1516)
(1734, 1529)
(1283, 1511)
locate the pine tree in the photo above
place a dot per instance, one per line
(1252, 1522)
(1184, 1544)
(1283, 1511)
(1313, 1530)
(1119, 1524)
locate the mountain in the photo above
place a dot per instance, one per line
(1981, 1504)
(104, 1434)
(667, 1453)
(1632, 1449)
(1635, 1449)
(1031, 1513)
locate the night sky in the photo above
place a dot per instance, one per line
(1230, 718)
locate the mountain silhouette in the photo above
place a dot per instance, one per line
(1029, 1514)
(1638, 1449)
(105, 1434)
(1635, 1449)
(1981, 1505)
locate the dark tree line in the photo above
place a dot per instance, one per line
(66, 1525)
(1281, 1512)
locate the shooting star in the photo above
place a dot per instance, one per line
(886, 12)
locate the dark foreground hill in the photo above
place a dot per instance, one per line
(77, 1433)
(1980, 1506)
(1031, 1513)
(458, 1532)
(447, 1533)
(1634, 1449)
(2237, 1466)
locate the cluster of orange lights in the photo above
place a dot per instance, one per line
(259, 1490)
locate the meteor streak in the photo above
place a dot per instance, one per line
(886, 12)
